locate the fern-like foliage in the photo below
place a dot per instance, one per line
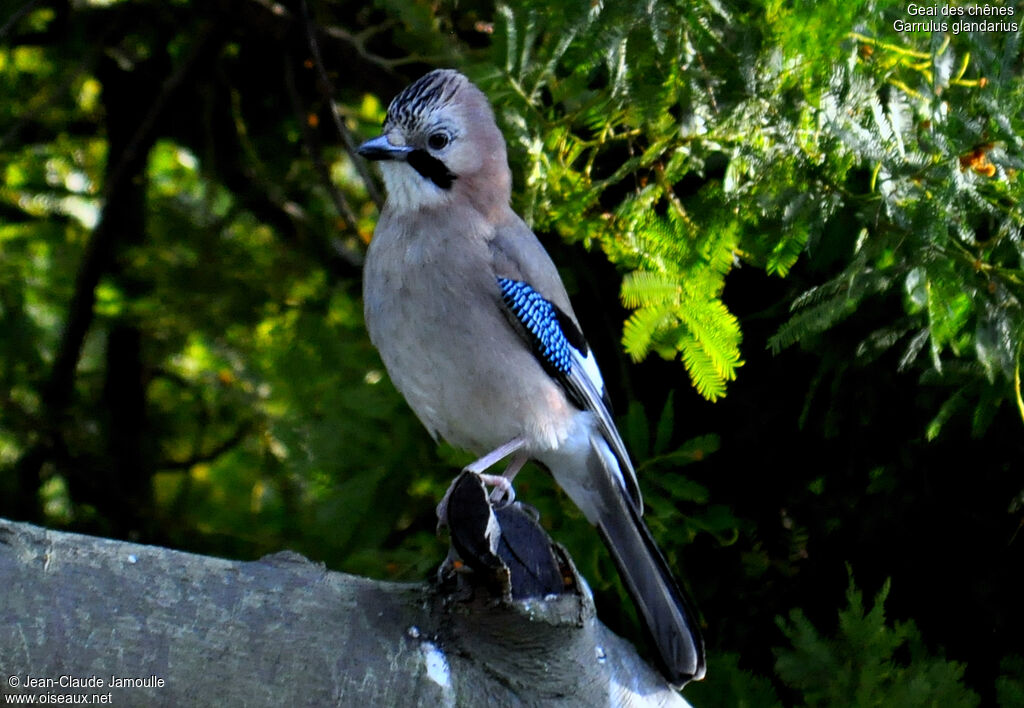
(868, 662)
(676, 303)
(591, 99)
(941, 213)
(685, 138)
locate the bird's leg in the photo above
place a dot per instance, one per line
(495, 456)
(502, 483)
(503, 493)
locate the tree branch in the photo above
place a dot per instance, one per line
(98, 250)
(328, 92)
(202, 456)
(58, 389)
(341, 205)
(196, 630)
(17, 16)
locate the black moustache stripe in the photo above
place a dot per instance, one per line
(431, 168)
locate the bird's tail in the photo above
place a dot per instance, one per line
(662, 604)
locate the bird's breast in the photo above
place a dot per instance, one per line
(433, 311)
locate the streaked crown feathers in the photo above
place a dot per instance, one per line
(427, 94)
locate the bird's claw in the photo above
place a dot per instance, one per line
(501, 496)
(503, 493)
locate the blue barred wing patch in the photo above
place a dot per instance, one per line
(561, 348)
(540, 319)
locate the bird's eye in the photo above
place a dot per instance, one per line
(438, 141)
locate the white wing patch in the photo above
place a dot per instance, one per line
(585, 379)
(592, 372)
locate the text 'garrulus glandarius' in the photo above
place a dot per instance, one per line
(476, 330)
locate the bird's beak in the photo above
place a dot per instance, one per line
(380, 148)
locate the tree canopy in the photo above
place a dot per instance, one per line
(792, 232)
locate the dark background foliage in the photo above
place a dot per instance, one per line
(808, 222)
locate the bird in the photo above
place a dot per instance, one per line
(475, 329)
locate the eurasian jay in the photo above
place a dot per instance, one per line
(476, 330)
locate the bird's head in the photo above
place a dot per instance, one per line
(440, 142)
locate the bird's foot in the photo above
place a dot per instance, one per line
(501, 496)
(503, 493)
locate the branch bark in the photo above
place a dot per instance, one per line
(196, 630)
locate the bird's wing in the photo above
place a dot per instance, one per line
(537, 305)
